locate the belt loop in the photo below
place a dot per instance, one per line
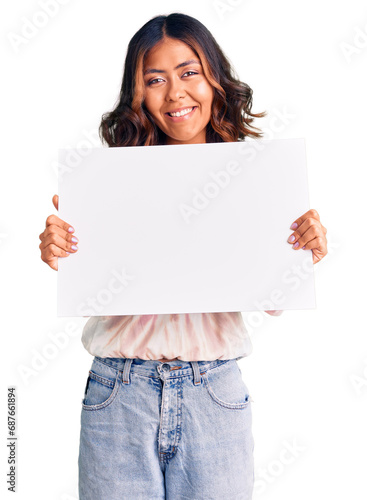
(126, 371)
(197, 376)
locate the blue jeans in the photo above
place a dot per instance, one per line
(176, 430)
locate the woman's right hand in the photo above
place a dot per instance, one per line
(56, 239)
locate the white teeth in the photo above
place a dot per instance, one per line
(182, 113)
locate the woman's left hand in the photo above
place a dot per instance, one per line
(309, 234)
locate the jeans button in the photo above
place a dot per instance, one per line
(166, 367)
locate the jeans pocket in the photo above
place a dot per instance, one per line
(225, 386)
(102, 386)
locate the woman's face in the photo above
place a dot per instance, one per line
(174, 81)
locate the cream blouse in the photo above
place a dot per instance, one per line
(189, 337)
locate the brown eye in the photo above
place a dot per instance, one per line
(154, 80)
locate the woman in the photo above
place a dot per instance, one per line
(165, 412)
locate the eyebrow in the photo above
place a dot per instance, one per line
(186, 63)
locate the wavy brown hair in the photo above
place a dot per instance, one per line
(130, 123)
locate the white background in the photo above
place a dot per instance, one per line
(308, 371)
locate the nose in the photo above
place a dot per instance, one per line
(175, 89)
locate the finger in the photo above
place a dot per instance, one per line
(55, 220)
(301, 240)
(55, 201)
(309, 226)
(51, 254)
(312, 213)
(54, 235)
(317, 256)
(317, 242)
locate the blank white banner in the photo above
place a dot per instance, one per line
(184, 229)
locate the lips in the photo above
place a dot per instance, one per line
(178, 110)
(183, 118)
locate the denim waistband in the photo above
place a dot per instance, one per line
(154, 368)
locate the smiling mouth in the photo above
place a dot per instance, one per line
(182, 114)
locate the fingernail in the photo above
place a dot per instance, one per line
(68, 253)
(71, 229)
(74, 239)
(296, 245)
(291, 238)
(294, 225)
(74, 247)
(303, 247)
